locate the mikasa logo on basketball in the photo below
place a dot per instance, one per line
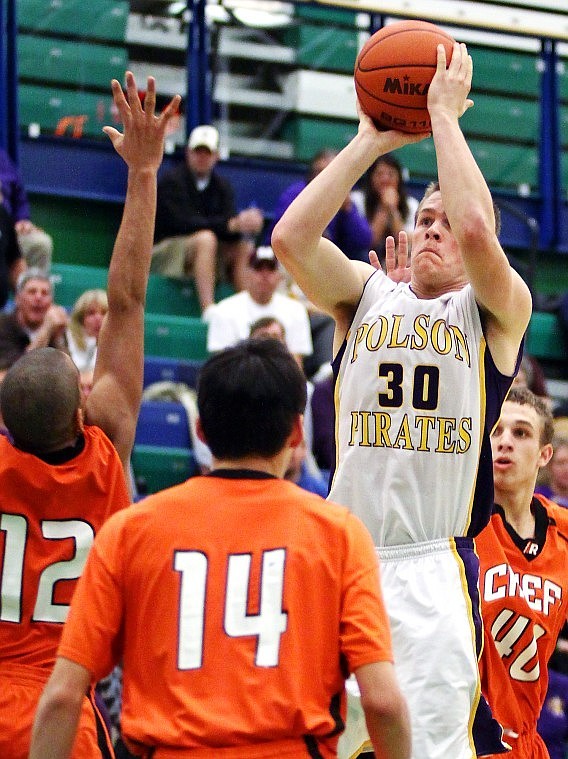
(394, 86)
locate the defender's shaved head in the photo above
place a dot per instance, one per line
(39, 398)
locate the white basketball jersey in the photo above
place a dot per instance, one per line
(416, 396)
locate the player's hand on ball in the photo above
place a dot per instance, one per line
(450, 87)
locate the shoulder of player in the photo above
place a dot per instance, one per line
(557, 513)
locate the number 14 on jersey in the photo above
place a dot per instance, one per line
(267, 626)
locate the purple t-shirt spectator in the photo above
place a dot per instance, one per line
(546, 491)
(349, 230)
(553, 720)
(14, 197)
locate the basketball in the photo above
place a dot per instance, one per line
(393, 72)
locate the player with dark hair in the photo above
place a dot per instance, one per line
(421, 369)
(523, 555)
(245, 598)
(63, 463)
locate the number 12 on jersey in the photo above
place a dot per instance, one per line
(267, 626)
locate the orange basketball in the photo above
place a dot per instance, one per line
(393, 72)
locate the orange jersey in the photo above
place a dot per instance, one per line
(524, 592)
(49, 514)
(238, 604)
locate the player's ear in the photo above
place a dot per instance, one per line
(545, 455)
(79, 420)
(297, 433)
(199, 431)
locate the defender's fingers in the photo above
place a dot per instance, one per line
(150, 98)
(172, 108)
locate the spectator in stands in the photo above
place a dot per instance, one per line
(555, 482)
(36, 322)
(348, 229)
(531, 375)
(84, 326)
(12, 263)
(36, 245)
(298, 471)
(323, 423)
(385, 202)
(197, 228)
(553, 721)
(230, 320)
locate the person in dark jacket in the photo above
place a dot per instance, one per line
(197, 227)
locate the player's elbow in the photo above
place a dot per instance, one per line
(57, 702)
(385, 707)
(477, 231)
(284, 240)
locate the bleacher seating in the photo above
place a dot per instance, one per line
(545, 338)
(164, 424)
(164, 296)
(158, 467)
(182, 337)
(165, 369)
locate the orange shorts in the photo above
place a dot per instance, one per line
(19, 696)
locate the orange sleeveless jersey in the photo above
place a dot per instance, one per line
(238, 604)
(524, 592)
(48, 517)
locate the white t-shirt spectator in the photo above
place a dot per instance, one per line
(230, 321)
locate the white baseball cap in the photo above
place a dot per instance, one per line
(204, 136)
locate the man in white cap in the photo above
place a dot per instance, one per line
(230, 320)
(196, 221)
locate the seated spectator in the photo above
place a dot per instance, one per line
(322, 327)
(531, 375)
(385, 202)
(348, 229)
(198, 231)
(12, 263)
(554, 484)
(84, 327)
(36, 245)
(323, 424)
(299, 472)
(36, 321)
(230, 320)
(553, 720)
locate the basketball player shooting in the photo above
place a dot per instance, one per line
(421, 370)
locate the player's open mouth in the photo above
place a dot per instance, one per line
(502, 461)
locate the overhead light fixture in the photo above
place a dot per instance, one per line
(177, 7)
(264, 14)
(529, 19)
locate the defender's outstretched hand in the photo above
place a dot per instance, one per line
(142, 143)
(398, 266)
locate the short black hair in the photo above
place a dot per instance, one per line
(248, 397)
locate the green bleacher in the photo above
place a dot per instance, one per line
(103, 19)
(175, 336)
(167, 296)
(545, 338)
(70, 62)
(158, 467)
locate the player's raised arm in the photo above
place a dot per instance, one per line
(115, 399)
(467, 201)
(324, 273)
